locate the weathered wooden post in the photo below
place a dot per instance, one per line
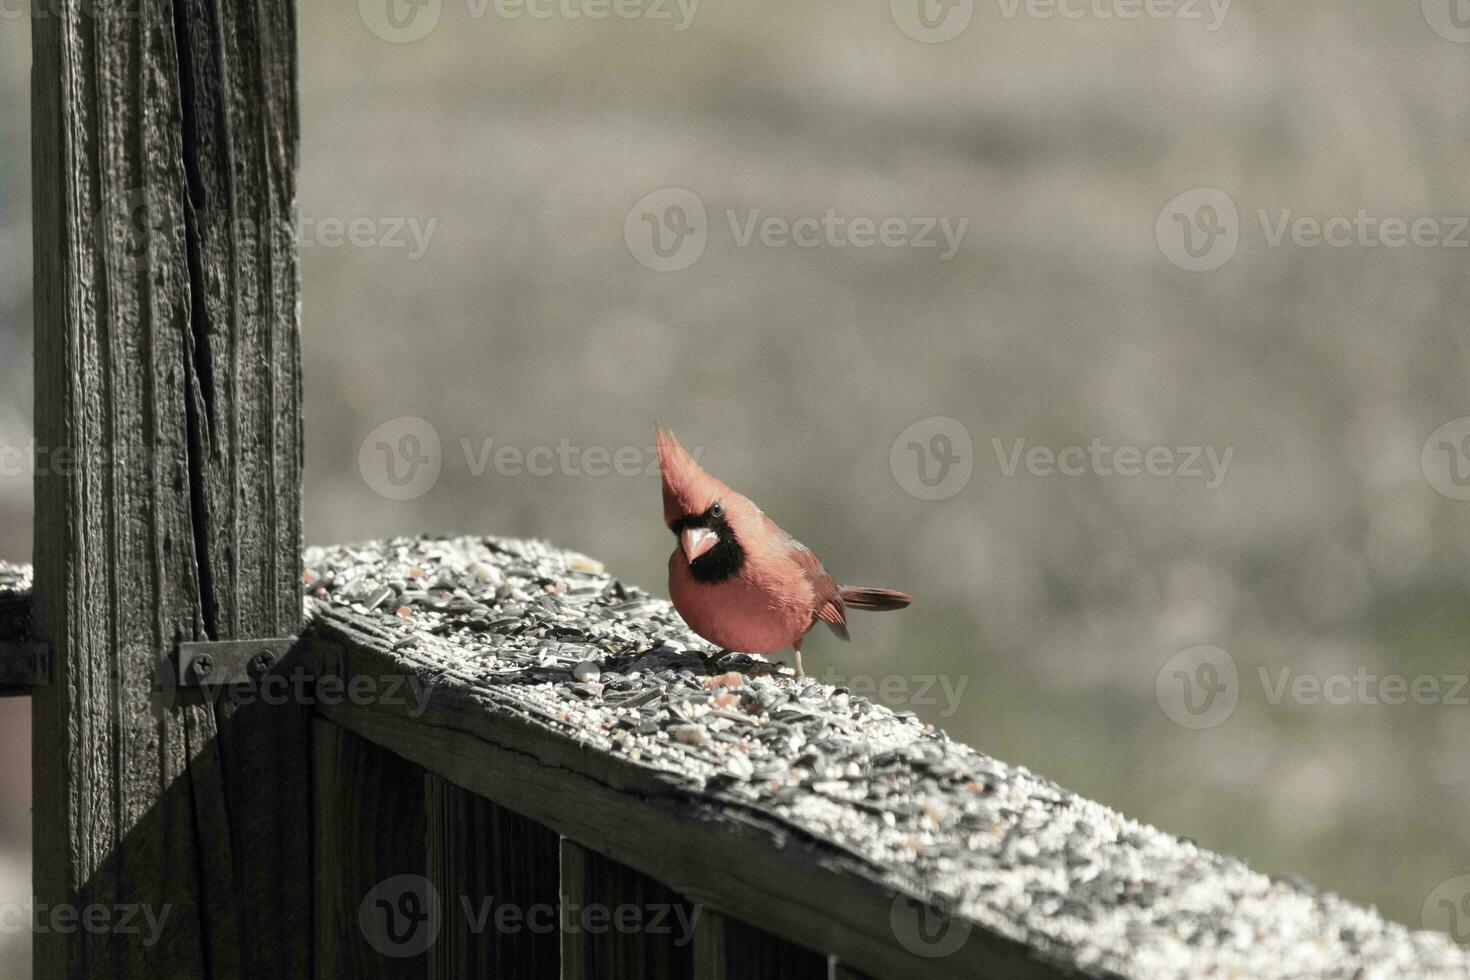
(168, 397)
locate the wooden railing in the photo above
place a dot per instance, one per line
(525, 768)
(458, 758)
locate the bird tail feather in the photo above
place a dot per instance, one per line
(876, 600)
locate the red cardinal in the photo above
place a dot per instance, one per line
(740, 581)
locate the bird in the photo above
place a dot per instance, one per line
(738, 579)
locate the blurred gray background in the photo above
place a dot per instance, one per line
(1050, 606)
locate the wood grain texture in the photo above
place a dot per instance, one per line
(369, 828)
(837, 970)
(728, 949)
(711, 948)
(168, 377)
(497, 877)
(576, 880)
(618, 923)
(762, 956)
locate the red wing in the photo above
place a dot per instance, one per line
(834, 616)
(830, 607)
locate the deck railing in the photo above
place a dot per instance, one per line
(522, 767)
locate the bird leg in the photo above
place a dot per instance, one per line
(797, 647)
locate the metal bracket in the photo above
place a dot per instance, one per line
(25, 664)
(215, 662)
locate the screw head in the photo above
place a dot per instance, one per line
(202, 666)
(262, 662)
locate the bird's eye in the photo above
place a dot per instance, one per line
(717, 510)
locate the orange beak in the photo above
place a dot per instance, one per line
(696, 541)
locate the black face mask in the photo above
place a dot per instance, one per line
(725, 558)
